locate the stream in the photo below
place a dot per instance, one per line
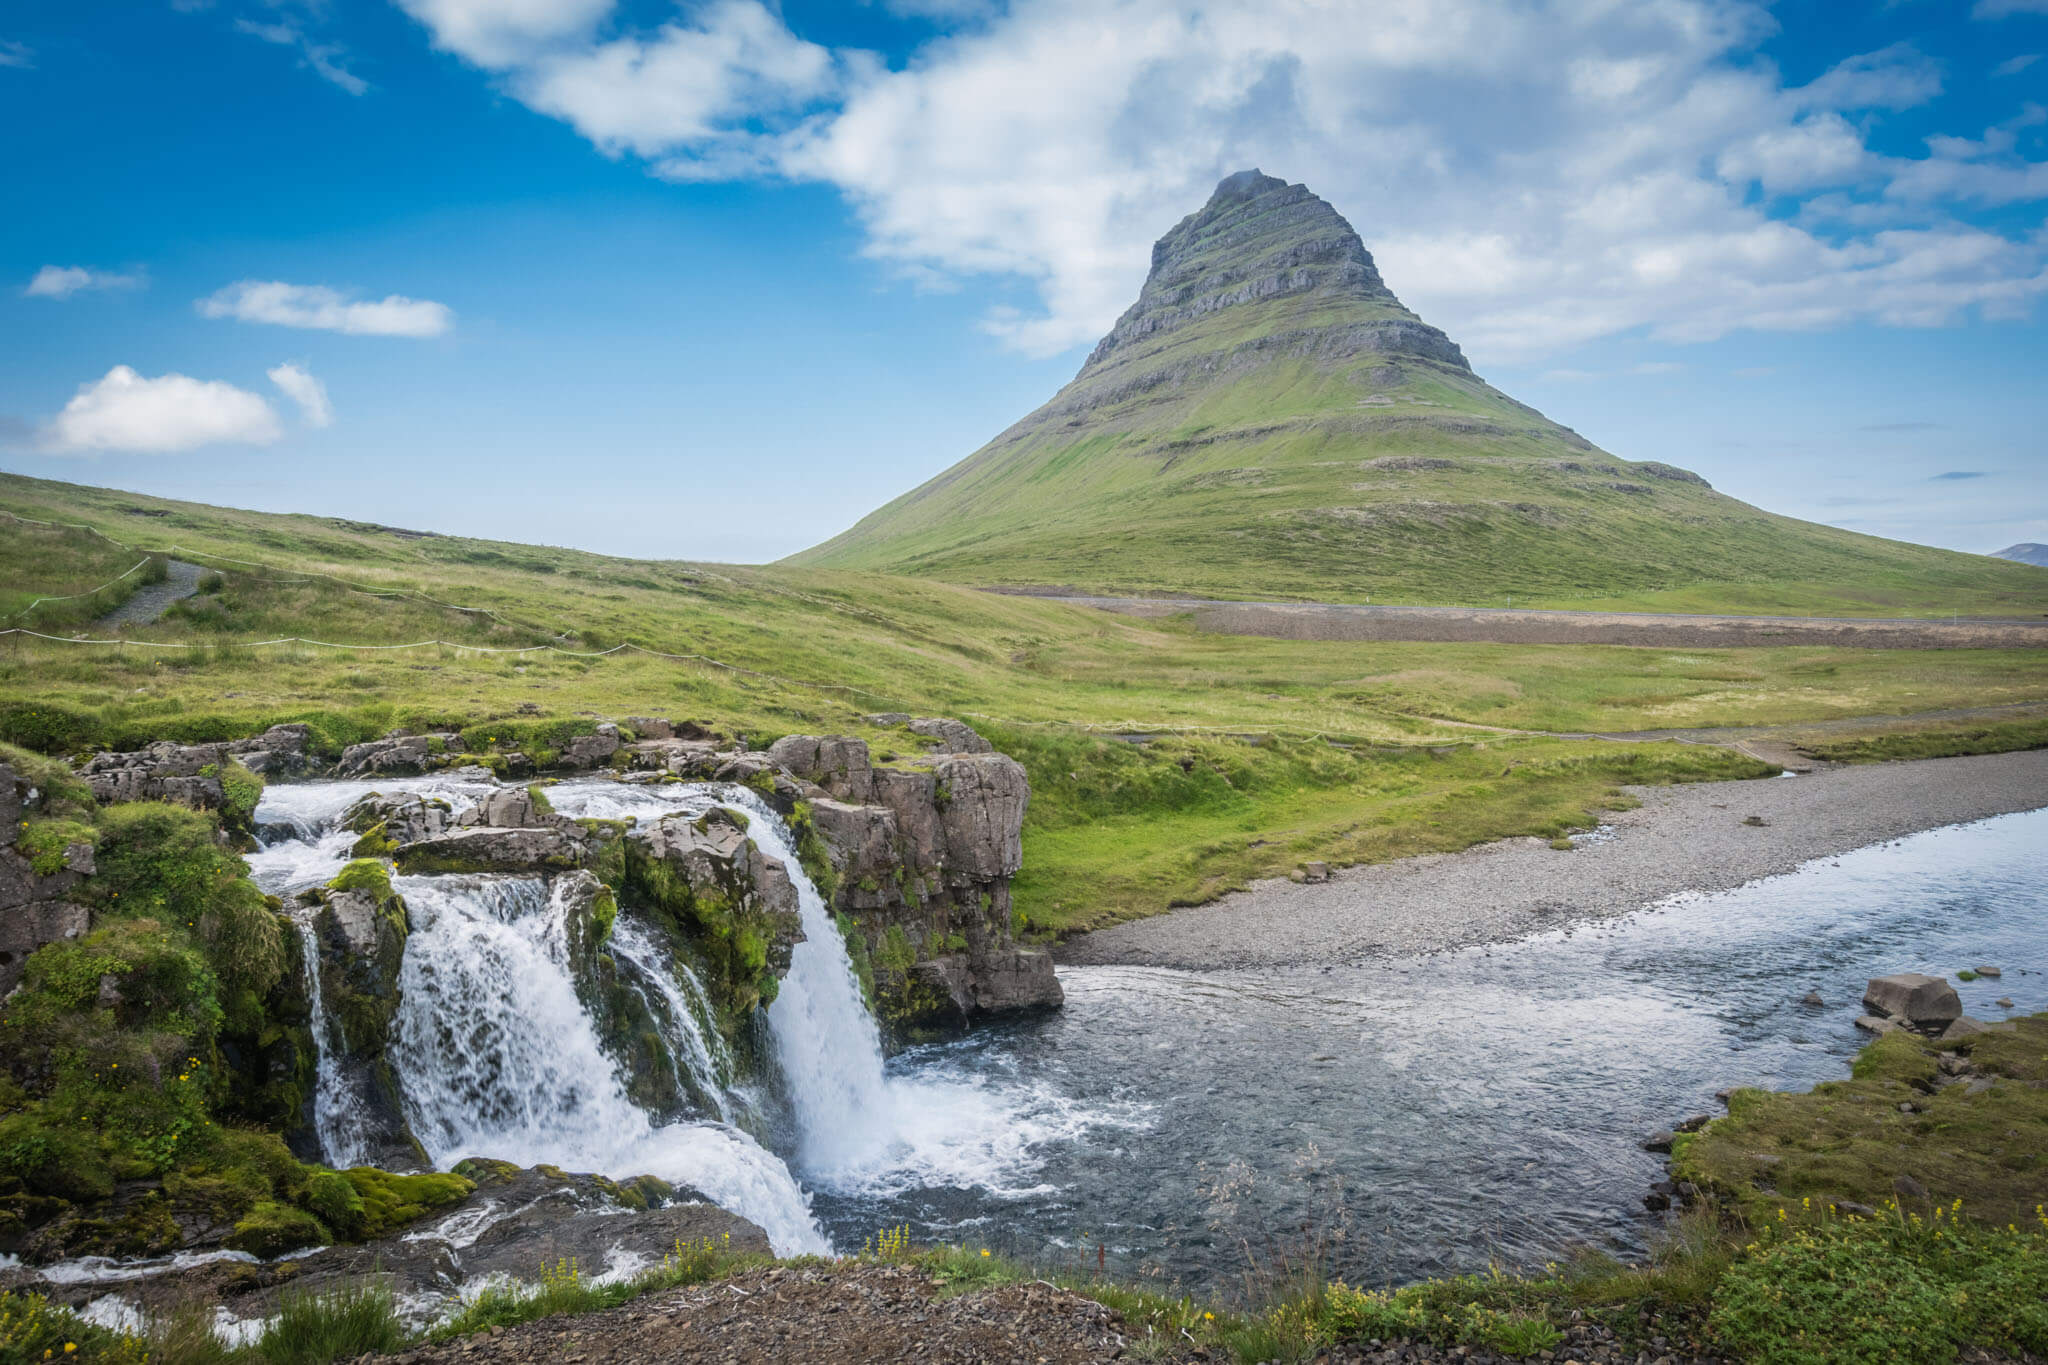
(1425, 1115)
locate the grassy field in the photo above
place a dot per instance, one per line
(1265, 752)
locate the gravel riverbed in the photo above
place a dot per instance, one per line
(1703, 837)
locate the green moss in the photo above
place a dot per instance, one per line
(391, 1201)
(271, 1229)
(46, 843)
(1847, 1141)
(366, 875)
(241, 790)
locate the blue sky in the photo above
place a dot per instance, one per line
(713, 280)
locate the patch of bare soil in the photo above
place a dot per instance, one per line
(844, 1314)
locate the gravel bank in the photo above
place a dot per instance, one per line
(1691, 838)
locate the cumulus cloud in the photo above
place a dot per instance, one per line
(1531, 174)
(126, 411)
(62, 281)
(328, 310)
(309, 393)
(16, 54)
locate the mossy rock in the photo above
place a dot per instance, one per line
(391, 1201)
(271, 1229)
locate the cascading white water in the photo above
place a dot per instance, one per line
(682, 997)
(496, 1055)
(336, 1121)
(825, 1040)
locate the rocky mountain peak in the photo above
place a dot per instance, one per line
(1263, 255)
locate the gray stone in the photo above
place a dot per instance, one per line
(404, 817)
(1315, 872)
(1812, 999)
(1907, 1188)
(1964, 1027)
(954, 736)
(397, 754)
(2003, 1002)
(1876, 1023)
(592, 750)
(34, 909)
(1988, 971)
(981, 799)
(838, 764)
(1924, 1002)
(482, 848)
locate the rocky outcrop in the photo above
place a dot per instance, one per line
(510, 830)
(953, 736)
(919, 859)
(734, 904)
(190, 774)
(386, 822)
(360, 927)
(397, 754)
(35, 887)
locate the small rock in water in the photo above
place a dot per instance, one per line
(1813, 999)
(1988, 971)
(2003, 1002)
(1658, 1142)
(1925, 1002)
(1872, 1023)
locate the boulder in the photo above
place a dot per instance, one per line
(838, 764)
(1876, 1023)
(280, 751)
(1016, 979)
(592, 750)
(954, 736)
(396, 754)
(1923, 1002)
(386, 821)
(1992, 972)
(722, 892)
(1315, 872)
(485, 848)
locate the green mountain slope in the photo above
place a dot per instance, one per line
(1269, 421)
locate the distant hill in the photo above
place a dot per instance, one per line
(2026, 552)
(1268, 420)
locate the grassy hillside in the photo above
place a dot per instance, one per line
(1249, 779)
(1269, 421)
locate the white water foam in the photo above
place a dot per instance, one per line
(496, 1055)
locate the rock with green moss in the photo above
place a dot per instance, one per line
(360, 927)
(39, 872)
(509, 830)
(735, 905)
(271, 1229)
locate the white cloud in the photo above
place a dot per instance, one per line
(688, 88)
(329, 310)
(127, 412)
(2005, 9)
(2012, 66)
(17, 54)
(1531, 174)
(309, 393)
(497, 33)
(62, 281)
(324, 58)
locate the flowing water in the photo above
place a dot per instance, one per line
(1440, 1112)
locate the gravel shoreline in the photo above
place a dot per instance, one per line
(1686, 838)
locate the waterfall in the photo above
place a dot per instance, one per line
(496, 1056)
(825, 1040)
(335, 1114)
(684, 1011)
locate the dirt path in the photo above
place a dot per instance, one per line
(820, 1315)
(1494, 625)
(1705, 837)
(153, 599)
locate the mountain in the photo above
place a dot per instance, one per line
(1268, 420)
(2026, 552)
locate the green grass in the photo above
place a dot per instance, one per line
(1848, 1140)
(1935, 742)
(777, 651)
